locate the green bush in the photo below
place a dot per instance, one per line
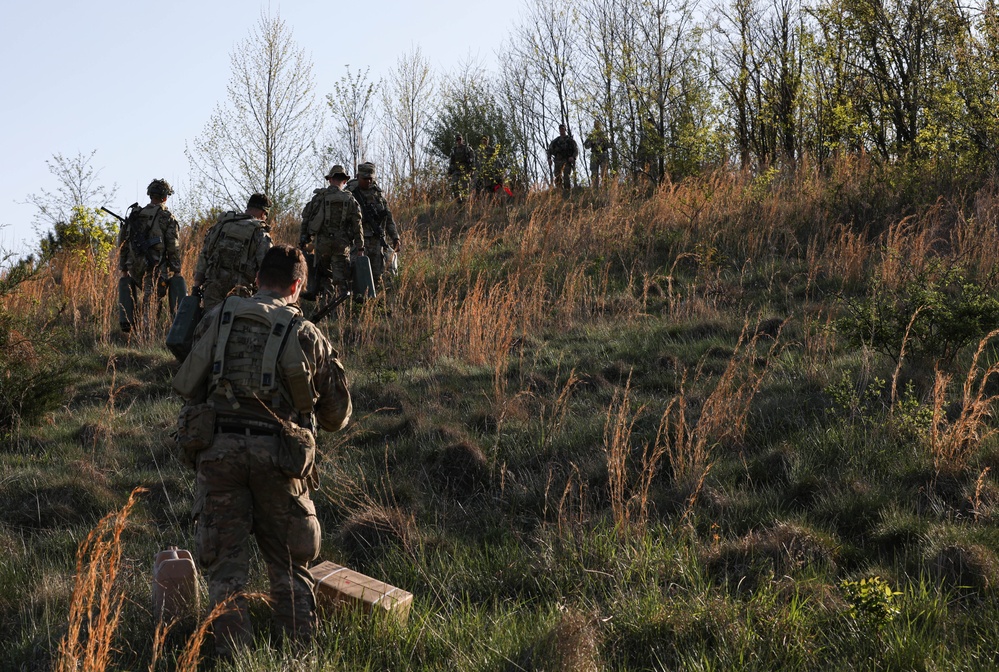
(940, 309)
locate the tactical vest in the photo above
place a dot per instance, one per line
(258, 367)
(326, 221)
(228, 261)
(145, 240)
(373, 209)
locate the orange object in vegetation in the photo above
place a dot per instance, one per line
(338, 586)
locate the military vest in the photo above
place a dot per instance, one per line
(230, 257)
(327, 219)
(374, 209)
(254, 367)
(145, 239)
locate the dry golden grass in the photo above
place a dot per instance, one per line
(953, 443)
(98, 596)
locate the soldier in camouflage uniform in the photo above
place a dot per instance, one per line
(460, 166)
(233, 250)
(563, 151)
(490, 170)
(149, 253)
(376, 219)
(599, 147)
(264, 377)
(331, 223)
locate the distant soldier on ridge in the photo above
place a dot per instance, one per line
(562, 151)
(460, 166)
(599, 147)
(148, 252)
(233, 250)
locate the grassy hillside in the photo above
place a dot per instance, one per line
(743, 424)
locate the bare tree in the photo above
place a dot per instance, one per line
(352, 105)
(407, 102)
(77, 186)
(258, 140)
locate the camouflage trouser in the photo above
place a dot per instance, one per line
(461, 183)
(598, 169)
(375, 252)
(240, 492)
(333, 276)
(144, 286)
(563, 173)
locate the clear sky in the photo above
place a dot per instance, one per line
(136, 80)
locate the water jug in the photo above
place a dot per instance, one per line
(175, 584)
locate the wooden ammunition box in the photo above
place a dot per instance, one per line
(338, 586)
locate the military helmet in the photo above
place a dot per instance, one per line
(337, 170)
(159, 188)
(366, 169)
(259, 201)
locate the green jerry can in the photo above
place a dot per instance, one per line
(176, 291)
(180, 338)
(126, 303)
(312, 286)
(364, 279)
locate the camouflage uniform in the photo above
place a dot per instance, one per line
(231, 256)
(149, 270)
(379, 227)
(599, 147)
(331, 222)
(490, 169)
(563, 150)
(243, 483)
(460, 166)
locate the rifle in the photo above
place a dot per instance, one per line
(329, 307)
(116, 216)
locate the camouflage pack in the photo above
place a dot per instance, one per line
(229, 250)
(143, 241)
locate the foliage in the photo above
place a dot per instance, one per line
(469, 107)
(932, 314)
(87, 231)
(872, 601)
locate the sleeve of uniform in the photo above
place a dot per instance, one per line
(264, 243)
(333, 405)
(171, 243)
(390, 228)
(355, 232)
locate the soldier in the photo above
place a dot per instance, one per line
(148, 252)
(460, 166)
(331, 223)
(490, 170)
(376, 219)
(258, 379)
(233, 250)
(651, 150)
(563, 150)
(599, 147)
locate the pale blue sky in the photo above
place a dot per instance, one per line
(136, 80)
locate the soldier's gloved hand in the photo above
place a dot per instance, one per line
(161, 286)
(303, 241)
(198, 291)
(396, 245)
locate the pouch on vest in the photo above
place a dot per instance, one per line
(195, 431)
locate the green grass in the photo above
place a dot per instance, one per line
(497, 486)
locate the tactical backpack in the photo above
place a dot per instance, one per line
(228, 260)
(325, 220)
(138, 229)
(235, 373)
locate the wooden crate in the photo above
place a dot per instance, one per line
(338, 586)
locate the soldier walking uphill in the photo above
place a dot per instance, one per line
(563, 151)
(258, 379)
(376, 219)
(331, 223)
(599, 147)
(148, 253)
(460, 166)
(233, 250)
